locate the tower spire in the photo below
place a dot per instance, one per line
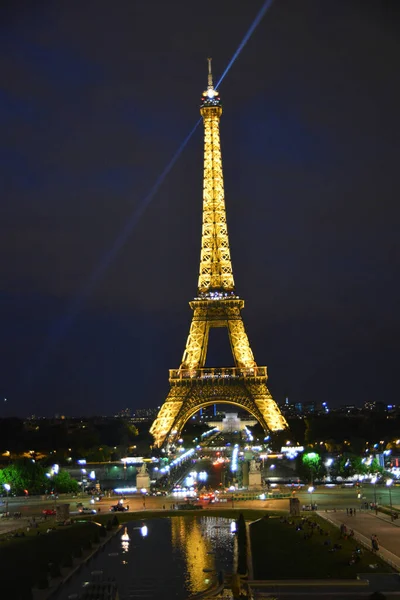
(210, 79)
(215, 260)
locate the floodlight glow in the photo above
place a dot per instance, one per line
(311, 455)
(125, 537)
(310, 489)
(144, 530)
(7, 487)
(181, 458)
(329, 462)
(267, 4)
(60, 327)
(55, 469)
(234, 463)
(127, 490)
(233, 526)
(389, 482)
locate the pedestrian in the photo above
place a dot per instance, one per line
(347, 511)
(354, 512)
(351, 512)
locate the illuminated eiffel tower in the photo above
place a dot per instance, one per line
(192, 386)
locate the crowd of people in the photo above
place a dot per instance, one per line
(310, 527)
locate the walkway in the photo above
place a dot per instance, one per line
(366, 524)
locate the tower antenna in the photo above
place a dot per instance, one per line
(210, 79)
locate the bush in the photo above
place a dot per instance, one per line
(23, 592)
(54, 570)
(102, 531)
(114, 522)
(87, 544)
(68, 561)
(96, 537)
(42, 582)
(242, 545)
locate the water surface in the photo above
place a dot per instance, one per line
(174, 558)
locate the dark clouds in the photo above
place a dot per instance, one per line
(94, 102)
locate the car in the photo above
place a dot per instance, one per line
(49, 512)
(87, 511)
(119, 508)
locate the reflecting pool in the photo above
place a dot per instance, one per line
(160, 558)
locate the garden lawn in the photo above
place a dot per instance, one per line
(279, 551)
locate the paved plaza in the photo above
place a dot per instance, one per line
(367, 524)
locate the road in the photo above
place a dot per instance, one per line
(326, 498)
(338, 497)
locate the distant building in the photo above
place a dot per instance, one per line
(381, 408)
(144, 414)
(125, 413)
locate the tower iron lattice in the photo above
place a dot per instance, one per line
(193, 386)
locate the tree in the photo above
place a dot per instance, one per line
(63, 483)
(310, 467)
(24, 475)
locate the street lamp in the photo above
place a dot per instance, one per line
(374, 480)
(7, 487)
(389, 485)
(310, 491)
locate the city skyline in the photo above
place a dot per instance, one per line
(309, 148)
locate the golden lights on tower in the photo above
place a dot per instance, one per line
(216, 305)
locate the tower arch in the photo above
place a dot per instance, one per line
(188, 413)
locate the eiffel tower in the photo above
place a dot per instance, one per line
(193, 386)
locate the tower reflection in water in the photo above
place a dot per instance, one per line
(125, 539)
(197, 539)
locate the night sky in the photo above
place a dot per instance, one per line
(97, 96)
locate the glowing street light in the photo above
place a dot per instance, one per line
(310, 491)
(389, 483)
(7, 487)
